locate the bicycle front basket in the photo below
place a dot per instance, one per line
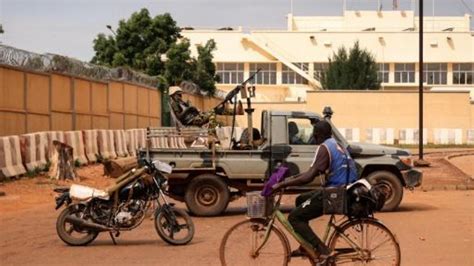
(258, 206)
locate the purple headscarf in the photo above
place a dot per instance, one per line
(276, 177)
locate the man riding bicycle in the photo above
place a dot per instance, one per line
(333, 164)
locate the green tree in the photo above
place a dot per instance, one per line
(205, 75)
(106, 49)
(353, 70)
(179, 65)
(139, 43)
(1, 29)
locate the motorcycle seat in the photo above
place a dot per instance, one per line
(83, 193)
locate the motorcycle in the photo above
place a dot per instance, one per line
(122, 207)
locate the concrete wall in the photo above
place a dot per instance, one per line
(33, 101)
(397, 110)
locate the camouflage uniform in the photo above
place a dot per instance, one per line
(187, 114)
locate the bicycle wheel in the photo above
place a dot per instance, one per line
(372, 244)
(241, 241)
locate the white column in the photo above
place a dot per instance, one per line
(391, 73)
(278, 74)
(246, 70)
(449, 71)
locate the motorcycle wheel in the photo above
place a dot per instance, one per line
(71, 234)
(174, 225)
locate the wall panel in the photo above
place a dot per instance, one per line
(83, 122)
(12, 123)
(143, 101)
(116, 97)
(61, 121)
(12, 89)
(130, 99)
(37, 123)
(116, 121)
(37, 91)
(82, 95)
(99, 98)
(100, 122)
(143, 122)
(155, 122)
(155, 103)
(61, 93)
(131, 121)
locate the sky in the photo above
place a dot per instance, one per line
(68, 27)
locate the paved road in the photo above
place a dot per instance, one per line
(434, 228)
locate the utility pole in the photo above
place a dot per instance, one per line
(420, 85)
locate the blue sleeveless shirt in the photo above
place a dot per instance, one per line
(342, 169)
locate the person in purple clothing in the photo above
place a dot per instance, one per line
(333, 164)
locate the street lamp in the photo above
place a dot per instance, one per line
(110, 28)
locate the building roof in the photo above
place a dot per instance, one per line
(390, 36)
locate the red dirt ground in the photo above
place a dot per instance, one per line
(434, 228)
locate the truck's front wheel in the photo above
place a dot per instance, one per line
(391, 186)
(207, 195)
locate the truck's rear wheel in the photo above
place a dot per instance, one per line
(391, 186)
(207, 195)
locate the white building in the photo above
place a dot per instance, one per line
(292, 60)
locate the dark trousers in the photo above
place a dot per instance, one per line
(309, 206)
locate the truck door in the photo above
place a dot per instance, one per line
(302, 148)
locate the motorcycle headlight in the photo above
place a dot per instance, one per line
(407, 160)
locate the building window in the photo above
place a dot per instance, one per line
(288, 76)
(382, 72)
(267, 74)
(319, 70)
(435, 73)
(404, 73)
(230, 73)
(463, 73)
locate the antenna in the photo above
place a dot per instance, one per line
(433, 14)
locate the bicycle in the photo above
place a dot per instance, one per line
(353, 241)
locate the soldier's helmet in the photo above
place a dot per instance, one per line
(175, 90)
